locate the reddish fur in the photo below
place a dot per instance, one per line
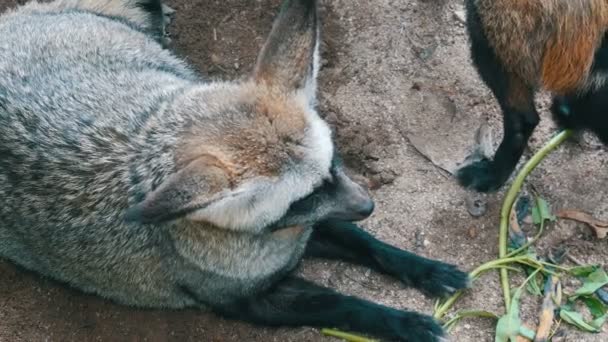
(261, 147)
(548, 43)
(569, 54)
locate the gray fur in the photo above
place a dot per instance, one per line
(96, 118)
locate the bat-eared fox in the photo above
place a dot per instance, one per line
(125, 174)
(520, 47)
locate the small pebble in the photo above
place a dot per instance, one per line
(472, 232)
(477, 206)
(460, 16)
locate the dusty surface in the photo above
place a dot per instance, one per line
(396, 81)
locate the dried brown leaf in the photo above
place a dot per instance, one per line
(547, 313)
(600, 227)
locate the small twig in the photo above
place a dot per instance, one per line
(345, 336)
(468, 313)
(555, 330)
(574, 259)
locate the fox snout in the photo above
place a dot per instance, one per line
(351, 201)
(357, 204)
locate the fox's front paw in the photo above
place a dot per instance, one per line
(439, 279)
(481, 176)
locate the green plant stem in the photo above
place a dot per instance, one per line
(501, 263)
(345, 336)
(442, 308)
(510, 199)
(468, 313)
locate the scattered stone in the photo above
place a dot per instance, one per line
(419, 238)
(472, 232)
(460, 16)
(476, 205)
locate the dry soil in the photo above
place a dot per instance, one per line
(399, 90)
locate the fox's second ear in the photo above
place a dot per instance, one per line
(189, 189)
(289, 58)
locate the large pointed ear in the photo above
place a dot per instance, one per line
(188, 190)
(289, 59)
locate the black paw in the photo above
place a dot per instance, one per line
(413, 327)
(438, 279)
(481, 176)
(434, 278)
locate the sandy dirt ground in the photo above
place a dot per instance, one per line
(398, 88)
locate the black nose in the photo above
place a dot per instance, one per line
(365, 209)
(361, 210)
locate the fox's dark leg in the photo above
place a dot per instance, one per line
(297, 302)
(520, 117)
(346, 241)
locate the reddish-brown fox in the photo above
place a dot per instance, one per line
(522, 46)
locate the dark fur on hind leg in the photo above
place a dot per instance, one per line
(519, 114)
(587, 111)
(297, 302)
(346, 241)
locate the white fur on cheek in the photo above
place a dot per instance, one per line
(255, 205)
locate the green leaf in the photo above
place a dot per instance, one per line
(583, 271)
(533, 285)
(576, 319)
(541, 211)
(596, 306)
(527, 333)
(598, 310)
(592, 283)
(509, 325)
(599, 322)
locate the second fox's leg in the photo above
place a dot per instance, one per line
(520, 117)
(346, 241)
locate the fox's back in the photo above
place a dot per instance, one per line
(95, 117)
(549, 43)
(63, 65)
(76, 91)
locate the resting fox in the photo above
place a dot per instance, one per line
(125, 174)
(519, 47)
